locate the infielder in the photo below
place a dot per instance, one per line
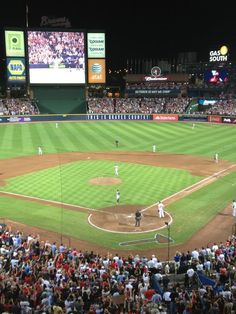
(116, 168)
(117, 196)
(216, 157)
(161, 208)
(154, 148)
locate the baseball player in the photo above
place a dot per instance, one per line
(116, 168)
(154, 148)
(117, 196)
(40, 151)
(234, 208)
(161, 208)
(216, 157)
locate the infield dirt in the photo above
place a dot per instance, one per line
(120, 218)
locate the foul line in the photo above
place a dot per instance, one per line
(45, 200)
(191, 186)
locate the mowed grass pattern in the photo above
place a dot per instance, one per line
(70, 183)
(189, 213)
(206, 139)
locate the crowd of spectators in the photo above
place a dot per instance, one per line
(37, 276)
(221, 107)
(137, 105)
(168, 105)
(205, 86)
(18, 106)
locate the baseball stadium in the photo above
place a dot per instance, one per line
(62, 147)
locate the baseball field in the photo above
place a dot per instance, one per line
(68, 193)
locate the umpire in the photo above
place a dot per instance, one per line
(138, 217)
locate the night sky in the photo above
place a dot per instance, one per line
(153, 29)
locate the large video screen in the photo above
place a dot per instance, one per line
(56, 57)
(216, 76)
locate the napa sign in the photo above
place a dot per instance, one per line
(219, 55)
(16, 71)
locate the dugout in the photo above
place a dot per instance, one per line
(59, 99)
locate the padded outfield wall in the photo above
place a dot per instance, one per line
(60, 99)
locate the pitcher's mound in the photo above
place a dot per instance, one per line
(105, 181)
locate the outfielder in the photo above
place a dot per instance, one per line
(40, 151)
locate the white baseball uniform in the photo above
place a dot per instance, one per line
(234, 208)
(161, 208)
(116, 168)
(40, 151)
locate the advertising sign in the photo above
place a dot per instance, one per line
(153, 92)
(165, 117)
(118, 117)
(219, 55)
(96, 71)
(229, 120)
(96, 45)
(16, 70)
(193, 118)
(14, 42)
(215, 119)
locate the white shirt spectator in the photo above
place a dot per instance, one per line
(199, 267)
(195, 254)
(214, 247)
(14, 263)
(207, 265)
(190, 272)
(146, 278)
(166, 296)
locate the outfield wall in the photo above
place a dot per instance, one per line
(119, 117)
(58, 99)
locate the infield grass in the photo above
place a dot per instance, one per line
(70, 183)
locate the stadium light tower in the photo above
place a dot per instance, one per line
(26, 14)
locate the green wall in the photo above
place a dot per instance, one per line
(60, 99)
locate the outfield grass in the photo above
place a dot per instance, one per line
(204, 140)
(197, 208)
